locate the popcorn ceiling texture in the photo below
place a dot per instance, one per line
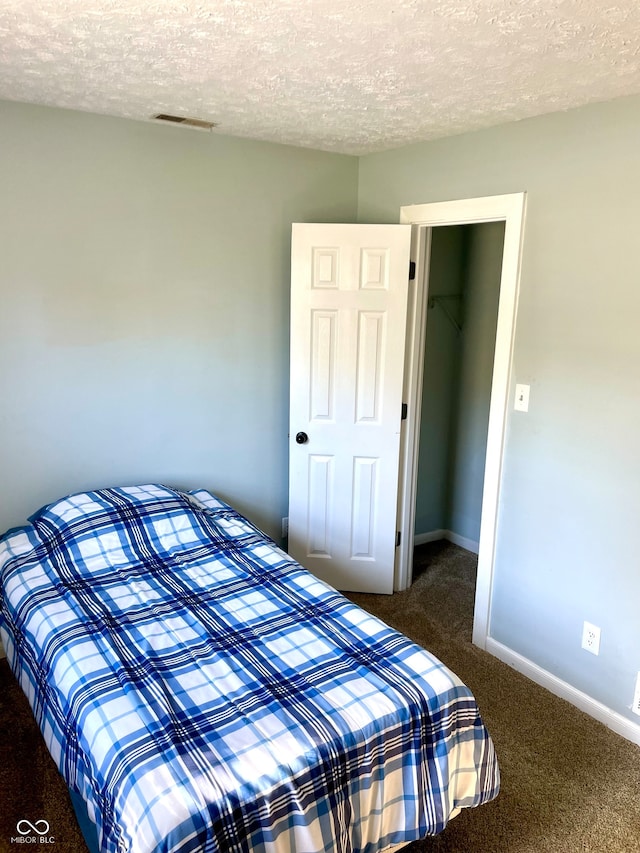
(353, 76)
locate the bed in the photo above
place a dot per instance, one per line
(201, 691)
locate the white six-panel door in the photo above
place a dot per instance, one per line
(348, 325)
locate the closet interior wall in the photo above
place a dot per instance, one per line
(464, 289)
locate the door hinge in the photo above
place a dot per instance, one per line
(412, 270)
(398, 538)
(404, 412)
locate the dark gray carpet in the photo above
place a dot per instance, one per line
(30, 786)
(569, 785)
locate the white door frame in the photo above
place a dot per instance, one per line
(510, 209)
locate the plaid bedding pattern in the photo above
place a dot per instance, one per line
(203, 692)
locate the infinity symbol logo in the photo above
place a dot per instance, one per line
(32, 827)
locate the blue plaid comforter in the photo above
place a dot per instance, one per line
(203, 692)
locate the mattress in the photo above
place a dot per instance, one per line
(200, 691)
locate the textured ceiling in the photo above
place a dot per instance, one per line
(354, 76)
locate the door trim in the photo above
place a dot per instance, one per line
(509, 208)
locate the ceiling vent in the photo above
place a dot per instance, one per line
(197, 123)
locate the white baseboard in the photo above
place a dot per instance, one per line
(432, 536)
(435, 535)
(612, 719)
(468, 544)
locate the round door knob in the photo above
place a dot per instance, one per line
(302, 438)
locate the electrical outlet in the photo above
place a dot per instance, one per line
(591, 638)
(636, 697)
(285, 527)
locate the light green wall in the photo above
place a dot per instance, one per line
(481, 291)
(440, 381)
(567, 546)
(144, 279)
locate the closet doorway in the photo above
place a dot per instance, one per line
(462, 317)
(506, 212)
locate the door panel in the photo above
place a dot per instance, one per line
(348, 324)
(323, 365)
(369, 363)
(363, 509)
(320, 505)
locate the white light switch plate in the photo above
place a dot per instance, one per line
(522, 398)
